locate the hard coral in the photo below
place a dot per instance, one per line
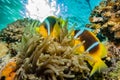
(14, 31)
(116, 73)
(107, 18)
(3, 49)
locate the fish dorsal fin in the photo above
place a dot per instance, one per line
(48, 26)
(79, 33)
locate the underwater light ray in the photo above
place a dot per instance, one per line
(11, 10)
(40, 9)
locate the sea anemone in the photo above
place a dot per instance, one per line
(48, 58)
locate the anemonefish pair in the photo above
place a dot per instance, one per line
(52, 25)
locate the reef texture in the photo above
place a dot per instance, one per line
(3, 49)
(9, 38)
(105, 19)
(14, 31)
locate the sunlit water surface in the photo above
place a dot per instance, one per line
(77, 11)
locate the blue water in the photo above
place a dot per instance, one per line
(11, 10)
(77, 11)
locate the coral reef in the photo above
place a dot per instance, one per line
(105, 19)
(113, 62)
(39, 58)
(12, 34)
(14, 31)
(115, 74)
(9, 37)
(3, 49)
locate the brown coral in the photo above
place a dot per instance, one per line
(14, 31)
(3, 49)
(106, 17)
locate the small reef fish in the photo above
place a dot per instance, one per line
(52, 25)
(94, 48)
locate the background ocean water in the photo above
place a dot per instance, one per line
(77, 11)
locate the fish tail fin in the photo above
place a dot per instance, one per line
(98, 67)
(104, 50)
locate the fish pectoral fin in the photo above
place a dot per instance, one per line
(98, 67)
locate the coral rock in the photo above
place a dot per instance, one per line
(3, 49)
(107, 16)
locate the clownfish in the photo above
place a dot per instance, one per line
(94, 48)
(52, 26)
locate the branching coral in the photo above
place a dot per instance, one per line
(105, 18)
(49, 59)
(115, 74)
(14, 31)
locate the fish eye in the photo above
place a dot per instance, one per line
(2, 78)
(58, 22)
